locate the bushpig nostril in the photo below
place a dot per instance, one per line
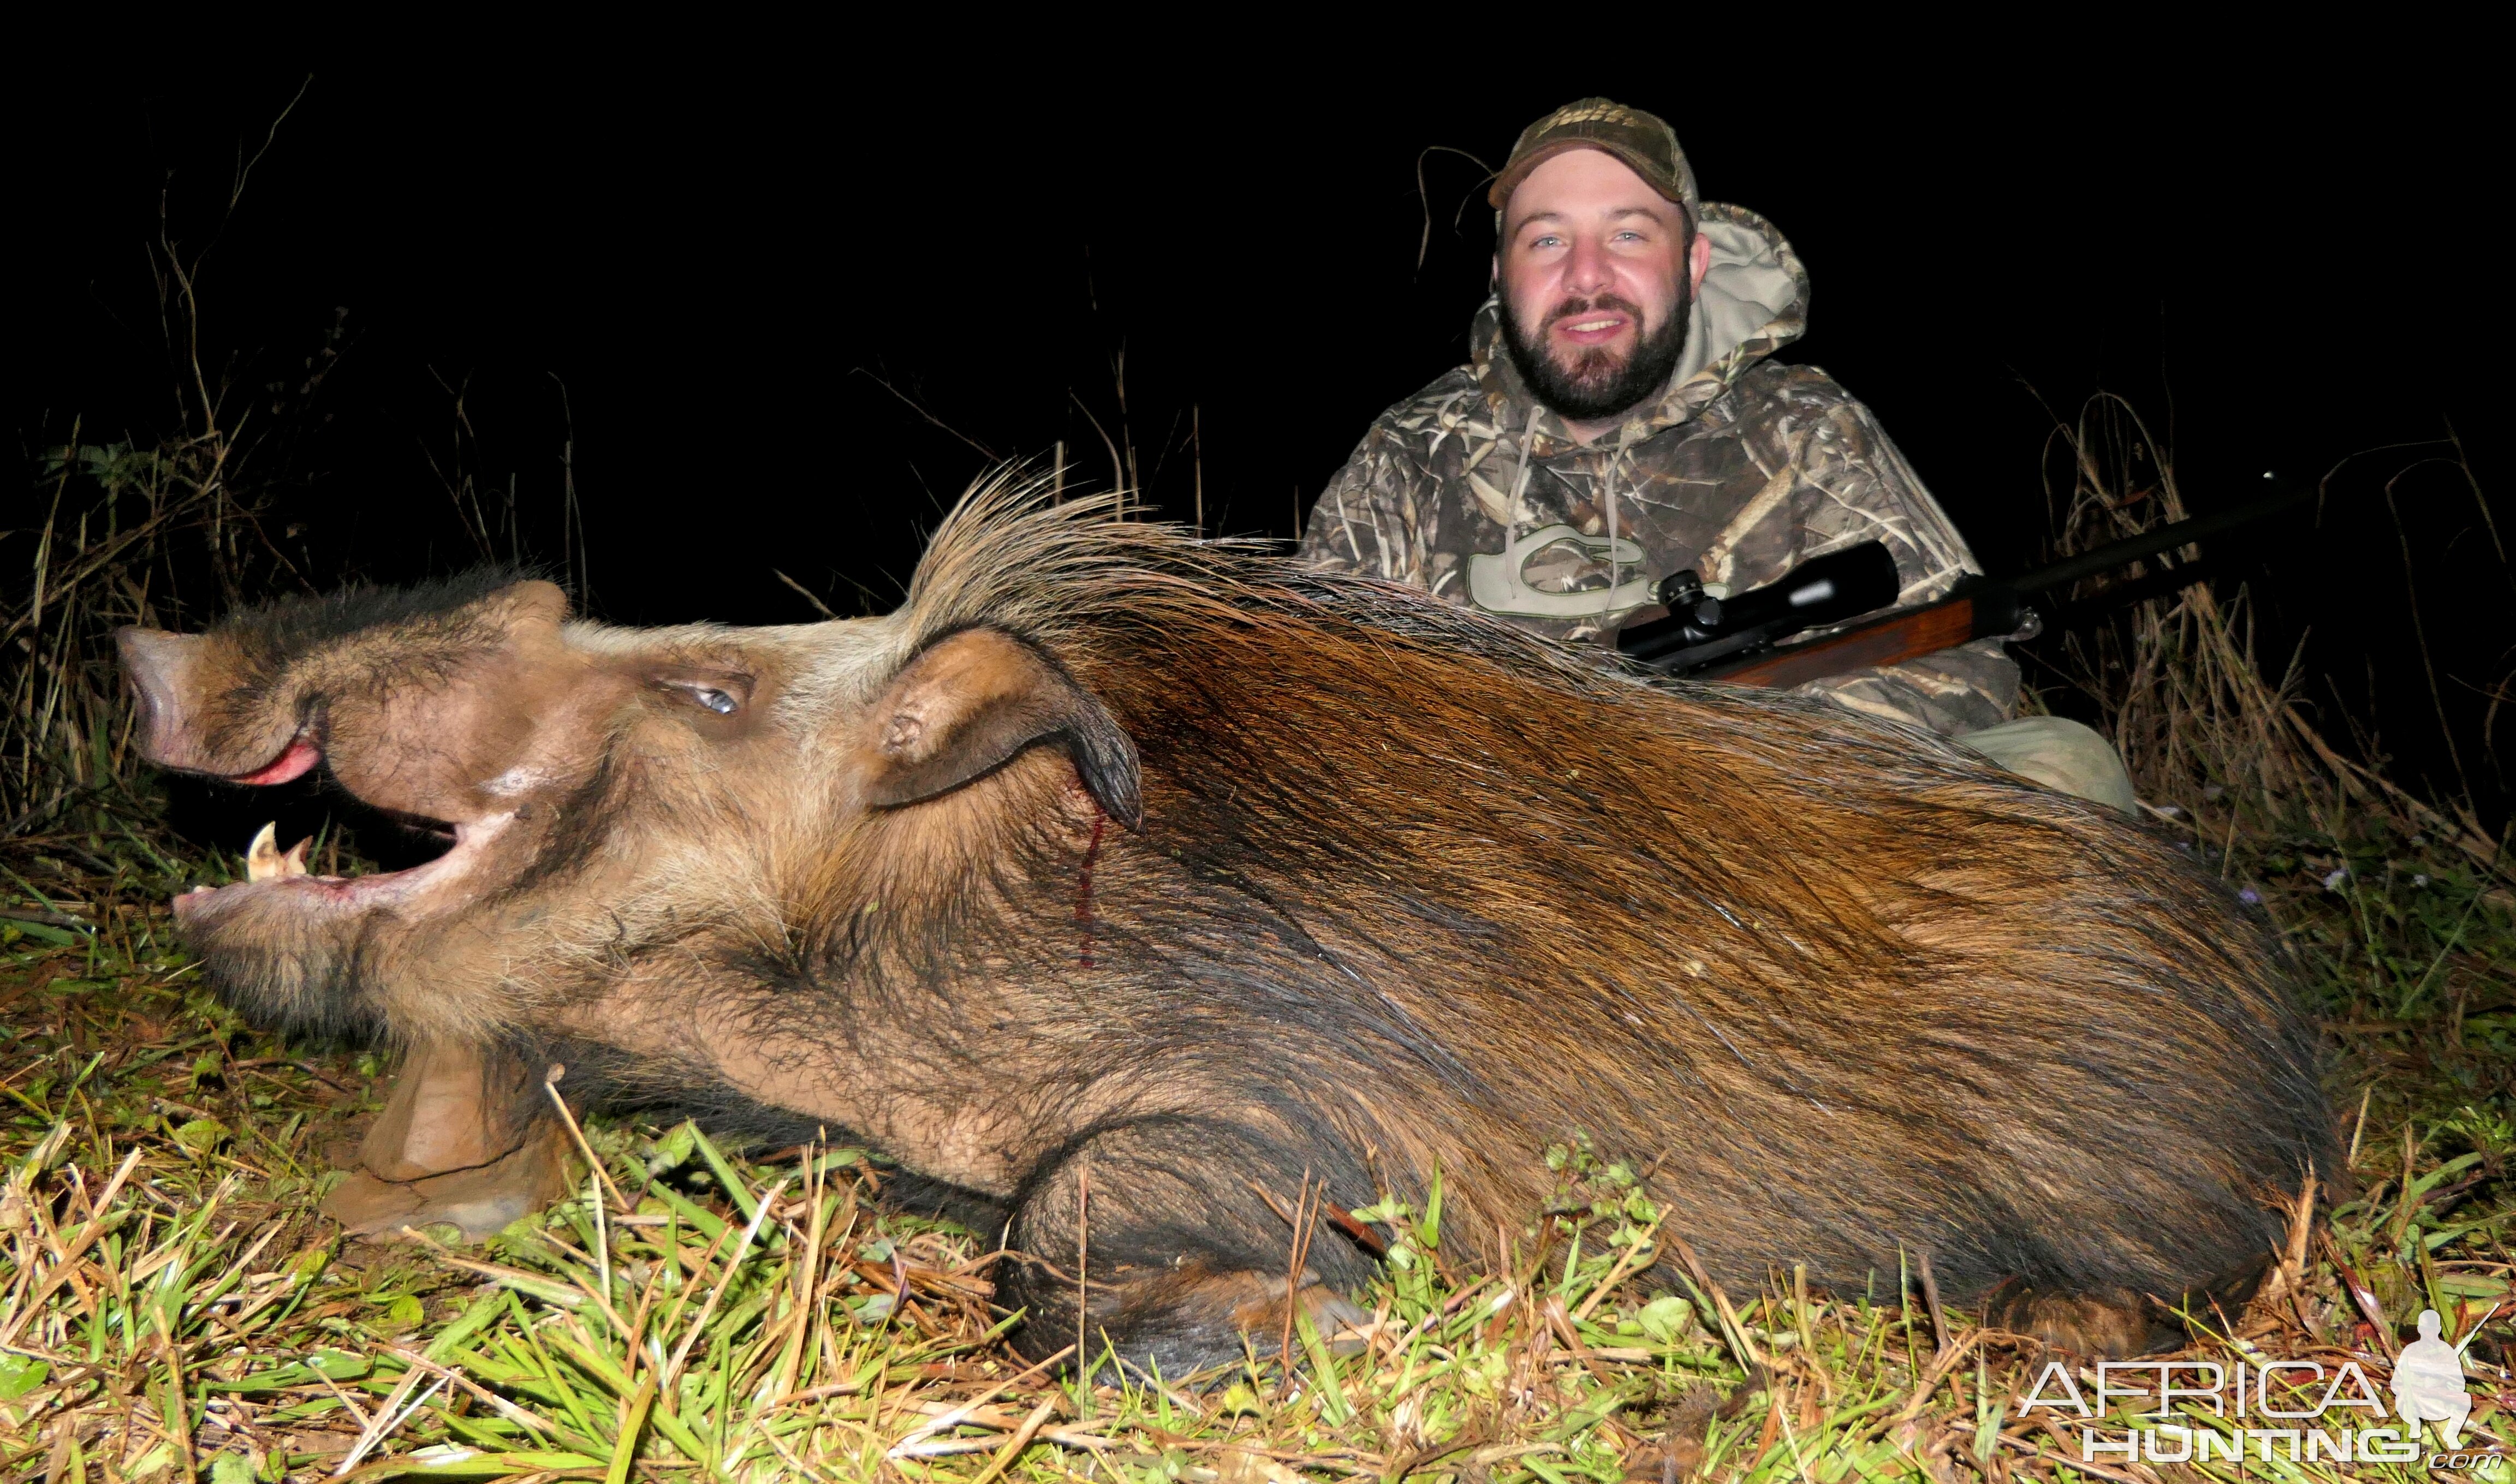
(141, 701)
(154, 665)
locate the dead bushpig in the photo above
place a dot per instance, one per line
(1119, 861)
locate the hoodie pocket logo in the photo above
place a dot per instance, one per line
(1500, 584)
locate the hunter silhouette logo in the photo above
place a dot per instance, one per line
(2429, 1384)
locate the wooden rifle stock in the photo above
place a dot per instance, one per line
(1904, 634)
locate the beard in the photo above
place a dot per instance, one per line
(1599, 382)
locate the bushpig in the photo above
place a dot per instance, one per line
(1119, 860)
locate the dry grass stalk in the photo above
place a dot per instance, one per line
(2204, 727)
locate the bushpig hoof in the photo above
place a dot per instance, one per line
(2109, 1326)
(1190, 1318)
(2119, 1323)
(1346, 1327)
(1342, 1326)
(479, 1202)
(462, 1141)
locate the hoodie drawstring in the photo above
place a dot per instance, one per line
(1519, 482)
(1607, 492)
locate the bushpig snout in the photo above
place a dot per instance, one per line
(160, 670)
(175, 680)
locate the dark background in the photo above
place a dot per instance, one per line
(732, 290)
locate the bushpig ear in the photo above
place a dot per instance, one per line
(533, 604)
(972, 702)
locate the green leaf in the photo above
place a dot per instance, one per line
(1987, 1432)
(734, 1184)
(1386, 1210)
(708, 1222)
(475, 1319)
(1666, 1317)
(2460, 1284)
(334, 1365)
(551, 1290)
(674, 1148)
(203, 1135)
(2452, 1167)
(232, 1468)
(19, 1375)
(446, 1460)
(2434, 1240)
(838, 1159)
(1326, 1384)
(1587, 1415)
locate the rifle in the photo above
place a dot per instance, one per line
(1738, 639)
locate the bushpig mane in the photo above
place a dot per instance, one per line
(272, 633)
(1070, 577)
(1416, 891)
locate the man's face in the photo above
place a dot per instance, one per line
(1596, 272)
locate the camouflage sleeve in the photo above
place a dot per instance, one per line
(1364, 522)
(1866, 490)
(1955, 692)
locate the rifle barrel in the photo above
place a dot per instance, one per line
(2165, 537)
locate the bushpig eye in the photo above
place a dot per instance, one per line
(721, 694)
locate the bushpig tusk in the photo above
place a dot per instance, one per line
(264, 861)
(262, 857)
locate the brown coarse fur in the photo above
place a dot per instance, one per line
(1119, 861)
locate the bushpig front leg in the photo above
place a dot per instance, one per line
(1179, 1253)
(467, 1138)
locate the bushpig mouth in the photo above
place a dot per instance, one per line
(276, 876)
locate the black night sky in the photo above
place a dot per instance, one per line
(744, 281)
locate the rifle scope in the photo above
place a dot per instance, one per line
(1823, 589)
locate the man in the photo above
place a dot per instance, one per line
(1620, 419)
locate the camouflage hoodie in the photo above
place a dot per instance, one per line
(1742, 468)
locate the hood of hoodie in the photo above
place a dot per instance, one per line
(1753, 300)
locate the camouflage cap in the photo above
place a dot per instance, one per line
(1643, 141)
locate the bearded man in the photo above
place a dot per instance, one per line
(1620, 419)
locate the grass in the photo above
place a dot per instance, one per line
(173, 1306)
